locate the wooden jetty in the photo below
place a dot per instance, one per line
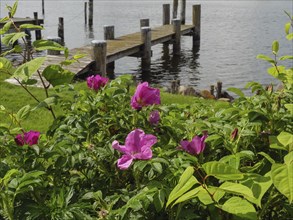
(100, 56)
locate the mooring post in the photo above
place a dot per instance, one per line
(183, 11)
(196, 13)
(100, 56)
(146, 36)
(91, 12)
(212, 90)
(176, 29)
(166, 14)
(85, 12)
(219, 89)
(175, 8)
(61, 30)
(57, 40)
(109, 34)
(37, 32)
(145, 22)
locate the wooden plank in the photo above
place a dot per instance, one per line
(20, 21)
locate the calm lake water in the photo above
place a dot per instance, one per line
(233, 33)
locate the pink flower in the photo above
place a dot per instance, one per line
(144, 96)
(30, 138)
(96, 82)
(154, 117)
(196, 146)
(137, 146)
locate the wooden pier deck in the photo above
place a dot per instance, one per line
(126, 45)
(20, 21)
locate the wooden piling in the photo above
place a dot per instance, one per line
(177, 38)
(146, 51)
(85, 12)
(37, 32)
(212, 90)
(61, 30)
(166, 14)
(145, 22)
(57, 40)
(196, 13)
(175, 8)
(91, 12)
(219, 89)
(183, 11)
(43, 7)
(109, 34)
(99, 56)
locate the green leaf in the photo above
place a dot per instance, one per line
(26, 70)
(10, 39)
(6, 66)
(237, 188)
(236, 91)
(5, 28)
(205, 197)
(289, 36)
(222, 171)
(23, 113)
(275, 47)
(239, 207)
(14, 8)
(258, 184)
(282, 176)
(255, 116)
(285, 138)
(159, 200)
(289, 107)
(266, 58)
(187, 196)
(78, 56)
(265, 155)
(274, 71)
(31, 26)
(40, 45)
(186, 181)
(46, 103)
(56, 75)
(6, 18)
(287, 57)
(287, 27)
(157, 167)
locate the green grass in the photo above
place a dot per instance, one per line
(14, 97)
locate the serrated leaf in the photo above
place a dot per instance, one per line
(5, 28)
(40, 45)
(10, 39)
(14, 8)
(275, 47)
(56, 75)
(6, 18)
(31, 26)
(266, 58)
(222, 171)
(282, 176)
(239, 207)
(46, 103)
(26, 70)
(23, 113)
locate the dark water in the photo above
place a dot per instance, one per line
(233, 33)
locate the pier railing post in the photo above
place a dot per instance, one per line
(37, 32)
(100, 56)
(146, 51)
(175, 9)
(177, 38)
(166, 14)
(61, 30)
(109, 34)
(196, 14)
(43, 7)
(85, 12)
(91, 12)
(145, 22)
(183, 11)
(219, 89)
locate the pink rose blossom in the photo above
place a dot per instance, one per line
(154, 117)
(30, 138)
(96, 82)
(196, 145)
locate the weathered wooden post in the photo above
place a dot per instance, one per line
(183, 11)
(212, 90)
(100, 56)
(109, 34)
(91, 12)
(85, 12)
(196, 13)
(177, 38)
(175, 8)
(145, 22)
(166, 14)
(219, 90)
(146, 52)
(43, 7)
(57, 40)
(61, 30)
(37, 32)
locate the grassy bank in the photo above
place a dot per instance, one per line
(14, 97)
